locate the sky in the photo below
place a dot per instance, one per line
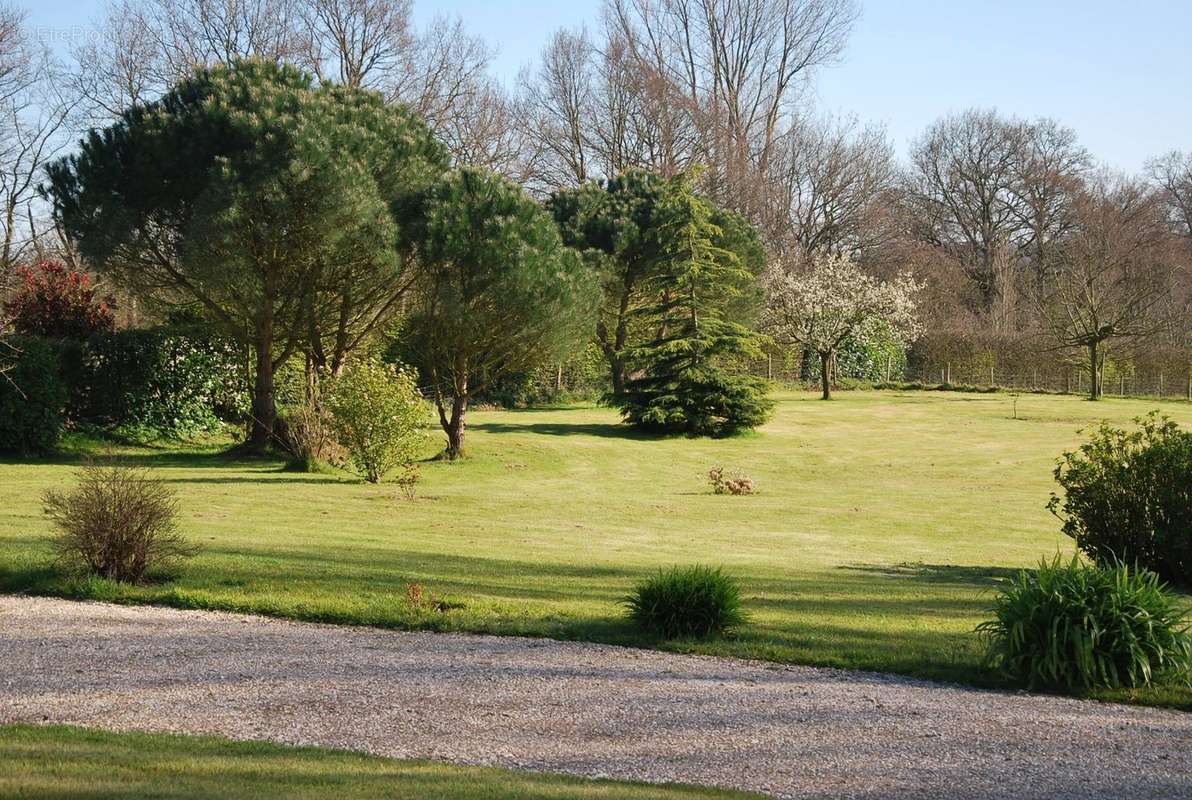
(1119, 73)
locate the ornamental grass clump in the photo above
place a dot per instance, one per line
(117, 523)
(686, 602)
(1078, 627)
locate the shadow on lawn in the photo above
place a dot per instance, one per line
(598, 429)
(977, 577)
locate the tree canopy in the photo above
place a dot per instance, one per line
(280, 207)
(498, 291)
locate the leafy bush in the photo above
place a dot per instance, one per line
(378, 416)
(694, 601)
(737, 484)
(33, 396)
(55, 301)
(1079, 627)
(1128, 497)
(159, 381)
(117, 524)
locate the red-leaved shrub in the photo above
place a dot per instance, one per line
(54, 300)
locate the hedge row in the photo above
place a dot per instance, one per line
(155, 382)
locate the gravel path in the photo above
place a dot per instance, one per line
(577, 708)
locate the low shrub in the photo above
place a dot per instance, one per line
(117, 523)
(684, 602)
(306, 434)
(703, 401)
(33, 396)
(737, 484)
(1078, 627)
(378, 416)
(1128, 497)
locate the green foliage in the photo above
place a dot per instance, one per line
(378, 417)
(33, 396)
(681, 384)
(866, 359)
(169, 381)
(501, 294)
(1077, 627)
(618, 225)
(279, 206)
(1128, 497)
(686, 602)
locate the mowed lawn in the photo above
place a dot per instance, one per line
(62, 762)
(882, 524)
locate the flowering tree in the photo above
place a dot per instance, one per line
(834, 301)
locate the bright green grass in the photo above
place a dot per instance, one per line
(883, 521)
(62, 762)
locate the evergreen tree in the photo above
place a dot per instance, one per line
(681, 380)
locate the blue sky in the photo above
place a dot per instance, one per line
(1116, 72)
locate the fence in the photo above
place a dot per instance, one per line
(1063, 379)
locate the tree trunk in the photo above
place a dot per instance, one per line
(826, 374)
(618, 375)
(264, 410)
(1094, 372)
(454, 425)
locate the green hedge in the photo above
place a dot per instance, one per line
(166, 381)
(33, 396)
(160, 381)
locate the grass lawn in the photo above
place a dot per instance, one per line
(44, 763)
(883, 521)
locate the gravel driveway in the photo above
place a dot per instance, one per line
(585, 709)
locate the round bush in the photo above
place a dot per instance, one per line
(1077, 627)
(32, 396)
(686, 602)
(1128, 497)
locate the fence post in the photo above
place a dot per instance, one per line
(1121, 385)
(1160, 385)
(992, 382)
(1067, 383)
(949, 374)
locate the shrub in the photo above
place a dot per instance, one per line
(1079, 627)
(680, 602)
(117, 523)
(704, 401)
(1128, 497)
(306, 433)
(55, 301)
(378, 416)
(167, 381)
(32, 396)
(738, 484)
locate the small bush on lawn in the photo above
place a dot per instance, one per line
(306, 433)
(117, 523)
(1078, 627)
(686, 602)
(378, 417)
(32, 396)
(737, 484)
(1128, 497)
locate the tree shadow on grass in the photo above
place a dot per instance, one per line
(977, 577)
(598, 429)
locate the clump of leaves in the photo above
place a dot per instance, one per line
(1078, 627)
(1128, 497)
(379, 417)
(736, 484)
(684, 602)
(117, 523)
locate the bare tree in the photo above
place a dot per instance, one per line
(1109, 272)
(829, 186)
(739, 65)
(962, 178)
(1172, 174)
(359, 43)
